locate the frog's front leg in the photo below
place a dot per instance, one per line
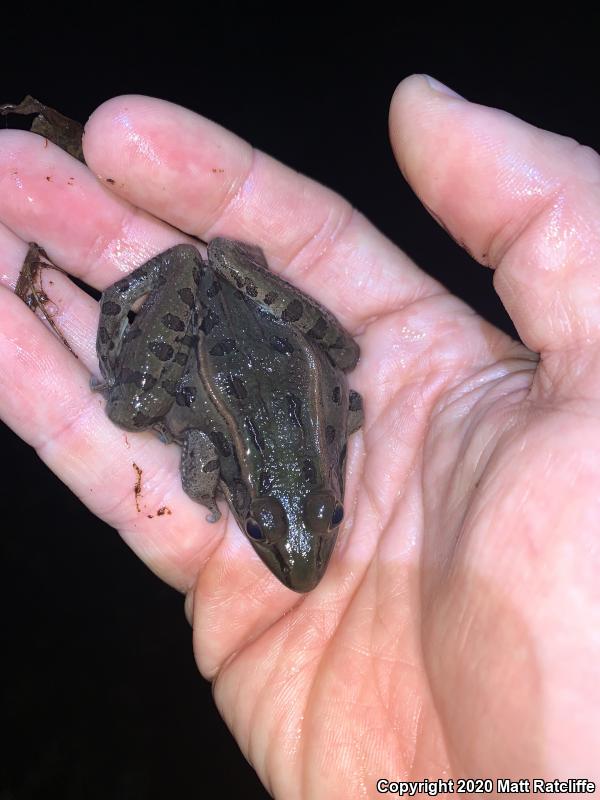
(244, 266)
(200, 471)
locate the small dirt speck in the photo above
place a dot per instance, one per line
(138, 486)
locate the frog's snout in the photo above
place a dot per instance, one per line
(299, 564)
(295, 540)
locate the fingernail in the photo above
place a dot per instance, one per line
(440, 87)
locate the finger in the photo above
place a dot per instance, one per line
(43, 210)
(130, 481)
(51, 198)
(201, 178)
(522, 200)
(73, 312)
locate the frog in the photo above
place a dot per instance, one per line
(247, 374)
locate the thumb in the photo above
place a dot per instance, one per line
(522, 201)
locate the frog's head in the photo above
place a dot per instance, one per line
(295, 536)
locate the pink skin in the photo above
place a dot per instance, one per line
(456, 631)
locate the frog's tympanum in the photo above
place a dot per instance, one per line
(247, 374)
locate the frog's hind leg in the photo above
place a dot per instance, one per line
(164, 331)
(200, 471)
(244, 267)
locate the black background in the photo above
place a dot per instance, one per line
(100, 694)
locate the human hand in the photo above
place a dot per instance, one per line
(454, 631)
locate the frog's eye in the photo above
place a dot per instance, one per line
(337, 516)
(254, 530)
(267, 521)
(322, 512)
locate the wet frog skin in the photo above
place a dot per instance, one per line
(247, 374)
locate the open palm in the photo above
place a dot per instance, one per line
(456, 630)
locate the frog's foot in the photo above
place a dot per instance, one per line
(355, 412)
(214, 515)
(163, 433)
(200, 471)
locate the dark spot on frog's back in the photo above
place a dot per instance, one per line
(281, 345)
(185, 397)
(223, 348)
(210, 321)
(270, 298)
(146, 381)
(172, 322)
(162, 350)
(170, 387)
(188, 340)
(211, 466)
(319, 329)
(124, 285)
(329, 434)
(103, 336)
(220, 442)
(197, 274)
(337, 395)
(110, 308)
(293, 311)
(354, 401)
(187, 296)
(341, 343)
(181, 358)
(251, 289)
(236, 388)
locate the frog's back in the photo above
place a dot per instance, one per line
(284, 406)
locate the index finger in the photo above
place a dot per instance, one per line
(206, 181)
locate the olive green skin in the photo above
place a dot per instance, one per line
(247, 374)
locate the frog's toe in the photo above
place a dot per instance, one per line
(98, 385)
(163, 433)
(214, 515)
